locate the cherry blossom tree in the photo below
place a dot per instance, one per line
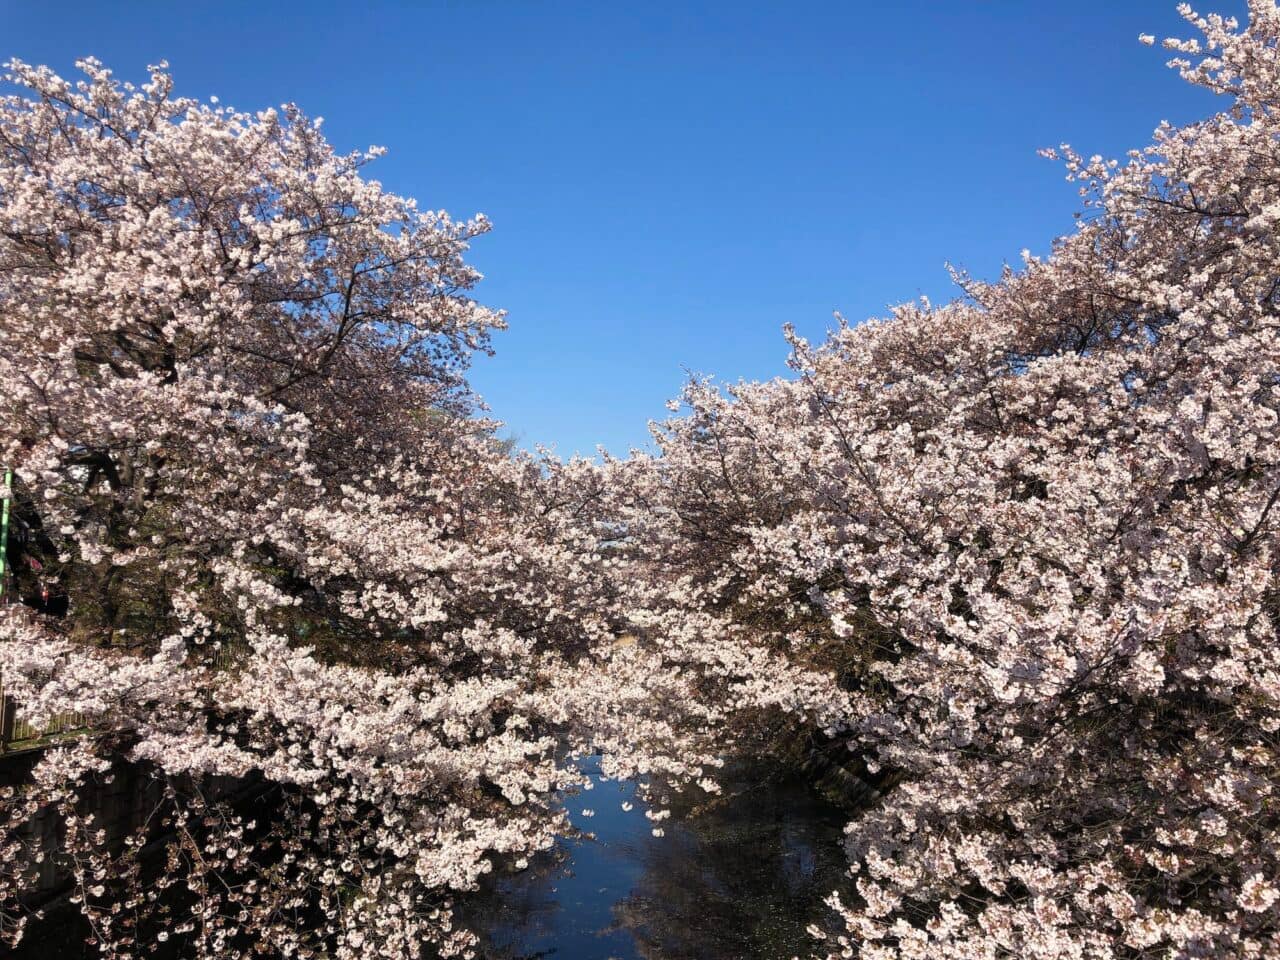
(232, 383)
(1018, 554)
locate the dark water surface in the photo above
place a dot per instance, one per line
(736, 878)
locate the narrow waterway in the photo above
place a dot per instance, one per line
(733, 877)
(737, 878)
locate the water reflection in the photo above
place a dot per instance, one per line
(735, 879)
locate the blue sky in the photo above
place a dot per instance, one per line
(671, 182)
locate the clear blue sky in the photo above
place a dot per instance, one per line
(671, 182)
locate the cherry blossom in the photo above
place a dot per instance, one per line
(1017, 556)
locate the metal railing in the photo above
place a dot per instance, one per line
(19, 734)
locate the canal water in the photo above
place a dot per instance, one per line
(733, 877)
(736, 878)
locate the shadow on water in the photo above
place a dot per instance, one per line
(736, 878)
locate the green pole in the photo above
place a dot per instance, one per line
(7, 494)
